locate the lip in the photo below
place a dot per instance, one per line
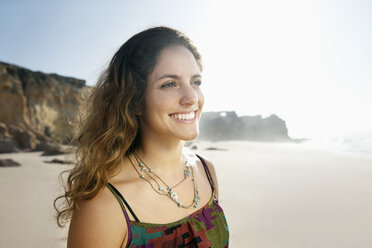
(186, 112)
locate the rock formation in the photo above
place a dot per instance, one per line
(218, 126)
(8, 163)
(35, 108)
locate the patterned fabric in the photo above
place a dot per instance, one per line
(207, 227)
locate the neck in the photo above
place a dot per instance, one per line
(161, 155)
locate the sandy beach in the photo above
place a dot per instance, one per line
(275, 195)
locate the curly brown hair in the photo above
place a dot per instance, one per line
(108, 128)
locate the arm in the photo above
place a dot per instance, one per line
(99, 222)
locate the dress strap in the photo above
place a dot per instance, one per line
(209, 176)
(122, 201)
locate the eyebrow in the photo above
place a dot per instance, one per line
(177, 77)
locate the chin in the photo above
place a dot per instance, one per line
(189, 137)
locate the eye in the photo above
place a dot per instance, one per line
(168, 84)
(197, 83)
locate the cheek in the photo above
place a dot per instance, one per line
(201, 99)
(158, 104)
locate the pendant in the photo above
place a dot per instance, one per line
(173, 196)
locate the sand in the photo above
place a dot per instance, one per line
(26, 210)
(274, 195)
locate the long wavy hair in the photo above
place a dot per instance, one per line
(107, 127)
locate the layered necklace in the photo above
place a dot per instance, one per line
(149, 175)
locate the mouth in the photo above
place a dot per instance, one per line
(185, 116)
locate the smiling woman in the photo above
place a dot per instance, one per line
(132, 184)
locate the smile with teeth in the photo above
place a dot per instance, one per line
(188, 116)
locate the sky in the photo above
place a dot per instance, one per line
(309, 62)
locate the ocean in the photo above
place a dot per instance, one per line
(355, 144)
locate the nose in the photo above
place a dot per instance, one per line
(189, 96)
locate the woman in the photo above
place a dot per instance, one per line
(133, 185)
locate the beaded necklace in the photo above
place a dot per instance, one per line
(148, 174)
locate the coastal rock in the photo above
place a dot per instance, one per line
(9, 145)
(3, 131)
(36, 109)
(51, 148)
(25, 139)
(7, 142)
(222, 126)
(38, 102)
(215, 149)
(8, 163)
(58, 161)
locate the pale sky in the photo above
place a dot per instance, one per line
(309, 62)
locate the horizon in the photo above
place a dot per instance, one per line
(304, 61)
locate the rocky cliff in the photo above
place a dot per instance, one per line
(36, 103)
(217, 126)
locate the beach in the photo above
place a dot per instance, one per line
(275, 195)
(27, 194)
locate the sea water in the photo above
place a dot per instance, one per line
(358, 144)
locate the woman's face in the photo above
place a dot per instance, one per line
(173, 97)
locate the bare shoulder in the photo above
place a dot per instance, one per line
(98, 222)
(211, 170)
